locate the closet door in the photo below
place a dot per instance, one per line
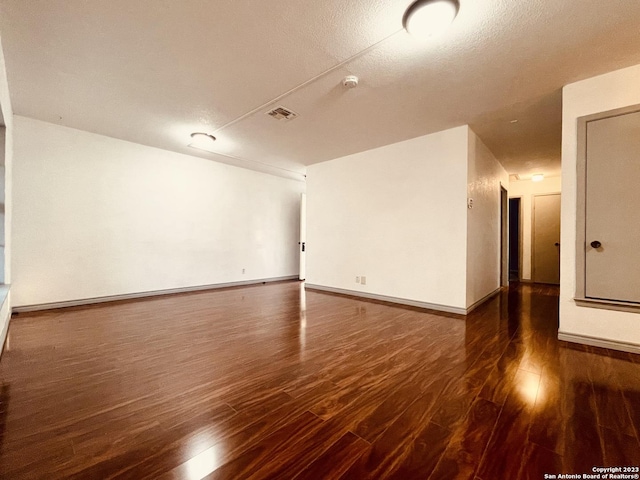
(612, 208)
(546, 238)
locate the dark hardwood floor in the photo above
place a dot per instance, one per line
(269, 382)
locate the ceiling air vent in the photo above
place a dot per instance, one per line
(281, 113)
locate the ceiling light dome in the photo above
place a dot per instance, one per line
(427, 18)
(538, 177)
(202, 140)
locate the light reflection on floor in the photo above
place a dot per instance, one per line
(204, 463)
(303, 320)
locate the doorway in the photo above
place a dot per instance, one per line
(546, 238)
(514, 239)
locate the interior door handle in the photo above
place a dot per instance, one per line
(557, 244)
(596, 244)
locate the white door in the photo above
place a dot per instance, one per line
(546, 238)
(612, 254)
(303, 236)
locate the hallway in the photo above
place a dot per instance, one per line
(270, 381)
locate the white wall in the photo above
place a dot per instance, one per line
(485, 176)
(598, 94)
(526, 190)
(7, 117)
(395, 214)
(95, 216)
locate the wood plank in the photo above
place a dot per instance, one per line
(467, 445)
(333, 463)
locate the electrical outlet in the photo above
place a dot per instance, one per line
(363, 280)
(357, 279)
(243, 271)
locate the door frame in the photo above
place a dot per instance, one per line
(504, 236)
(533, 232)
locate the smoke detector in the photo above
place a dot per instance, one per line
(282, 113)
(350, 81)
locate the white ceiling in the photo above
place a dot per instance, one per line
(153, 71)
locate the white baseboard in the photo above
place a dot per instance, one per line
(599, 342)
(130, 296)
(483, 299)
(385, 298)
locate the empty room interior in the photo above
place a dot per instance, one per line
(319, 240)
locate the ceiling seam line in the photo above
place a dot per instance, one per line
(307, 82)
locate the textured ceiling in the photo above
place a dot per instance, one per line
(153, 71)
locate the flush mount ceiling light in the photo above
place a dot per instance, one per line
(427, 18)
(203, 141)
(538, 177)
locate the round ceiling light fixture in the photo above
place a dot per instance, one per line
(202, 140)
(538, 177)
(428, 18)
